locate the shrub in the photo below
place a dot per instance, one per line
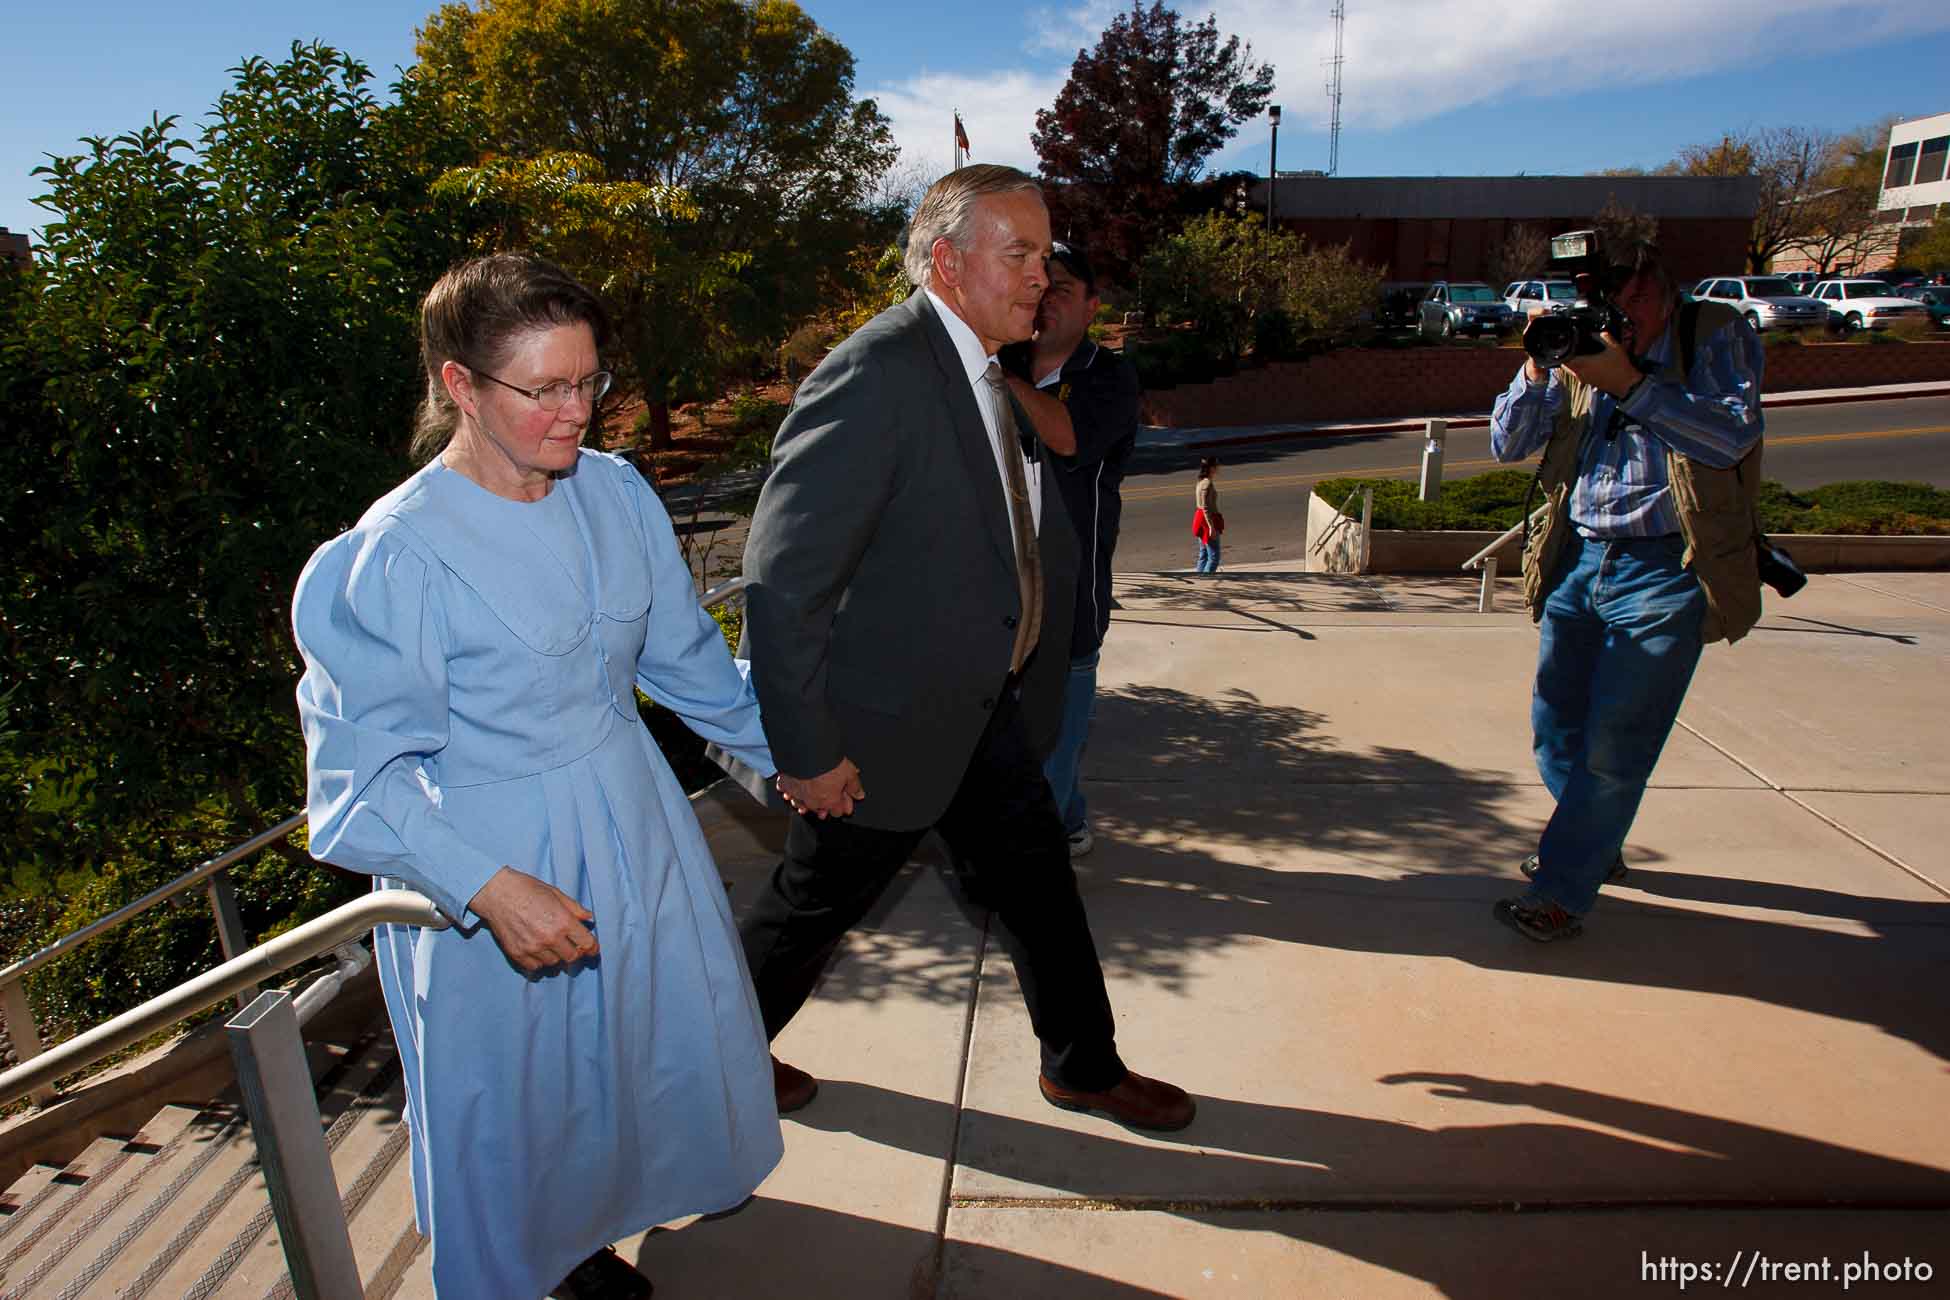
(1491, 501)
(1856, 509)
(1496, 500)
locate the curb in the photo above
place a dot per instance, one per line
(1820, 398)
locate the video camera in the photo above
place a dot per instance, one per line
(1574, 333)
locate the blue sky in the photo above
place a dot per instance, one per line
(1431, 87)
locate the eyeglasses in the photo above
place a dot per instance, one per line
(553, 397)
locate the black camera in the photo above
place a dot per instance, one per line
(1574, 333)
(1778, 569)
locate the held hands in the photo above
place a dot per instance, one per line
(832, 794)
(536, 924)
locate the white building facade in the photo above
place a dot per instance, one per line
(1915, 186)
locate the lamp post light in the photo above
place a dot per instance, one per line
(1272, 165)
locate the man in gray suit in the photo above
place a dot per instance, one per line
(908, 620)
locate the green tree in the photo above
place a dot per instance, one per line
(1136, 121)
(215, 351)
(745, 106)
(1229, 277)
(1930, 250)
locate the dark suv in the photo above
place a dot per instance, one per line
(1401, 303)
(1456, 307)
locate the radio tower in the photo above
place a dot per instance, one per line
(1339, 15)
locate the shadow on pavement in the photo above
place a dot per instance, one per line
(1294, 1168)
(1176, 769)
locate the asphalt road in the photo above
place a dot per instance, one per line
(1264, 488)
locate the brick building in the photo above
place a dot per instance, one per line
(13, 247)
(1448, 227)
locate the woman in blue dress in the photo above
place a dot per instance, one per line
(583, 1053)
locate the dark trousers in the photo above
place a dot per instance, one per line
(1003, 828)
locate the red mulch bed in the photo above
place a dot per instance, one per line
(701, 434)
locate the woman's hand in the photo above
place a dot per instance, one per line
(831, 794)
(536, 924)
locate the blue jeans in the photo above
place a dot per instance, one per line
(1208, 557)
(1064, 766)
(1619, 641)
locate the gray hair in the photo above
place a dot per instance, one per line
(948, 210)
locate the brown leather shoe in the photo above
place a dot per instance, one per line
(1137, 1102)
(794, 1088)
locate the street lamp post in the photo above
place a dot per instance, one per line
(1272, 164)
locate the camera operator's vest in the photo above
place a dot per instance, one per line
(1716, 506)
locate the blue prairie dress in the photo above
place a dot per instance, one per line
(467, 704)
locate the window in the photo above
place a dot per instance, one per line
(1726, 289)
(1902, 166)
(1929, 165)
(1532, 292)
(1889, 216)
(1829, 292)
(1924, 213)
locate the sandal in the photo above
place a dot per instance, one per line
(1535, 918)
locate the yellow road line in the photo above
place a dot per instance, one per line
(1260, 482)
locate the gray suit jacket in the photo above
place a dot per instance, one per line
(883, 600)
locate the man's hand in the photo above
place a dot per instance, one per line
(536, 924)
(1610, 371)
(1051, 417)
(1533, 372)
(829, 795)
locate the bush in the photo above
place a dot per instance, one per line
(1495, 500)
(1491, 501)
(1856, 509)
(1180, 357)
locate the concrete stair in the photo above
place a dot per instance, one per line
(179, 1208)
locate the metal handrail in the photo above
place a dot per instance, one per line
(188, 880)
(1476, 561)
(297, 945)
(19, 1016)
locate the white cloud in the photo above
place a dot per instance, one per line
(998, 110)
(1408, 60)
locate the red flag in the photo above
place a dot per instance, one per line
(961, 136)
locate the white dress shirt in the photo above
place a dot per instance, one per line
(969, 349)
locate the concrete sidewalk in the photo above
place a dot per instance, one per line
(1308, 791)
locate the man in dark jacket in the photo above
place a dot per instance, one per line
(1099, 389)
(908, 561)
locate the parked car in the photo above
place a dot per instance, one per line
(1401, 304)
(1552, 295)
(1804, 282)
(1864, 305)
(1935, 299)
(1463, 307)
(1767, 301)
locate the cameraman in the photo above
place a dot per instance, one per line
(1644, 552)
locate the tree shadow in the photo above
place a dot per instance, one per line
(1292, 591)
(1307, 1175)
(1231, 822)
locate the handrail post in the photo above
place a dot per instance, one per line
(1486, 599)
(230, 925)
(22, 1032)
(277, 1088)
(1367, 529)
(1436, 432)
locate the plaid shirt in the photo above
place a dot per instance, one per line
(1621, 489)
